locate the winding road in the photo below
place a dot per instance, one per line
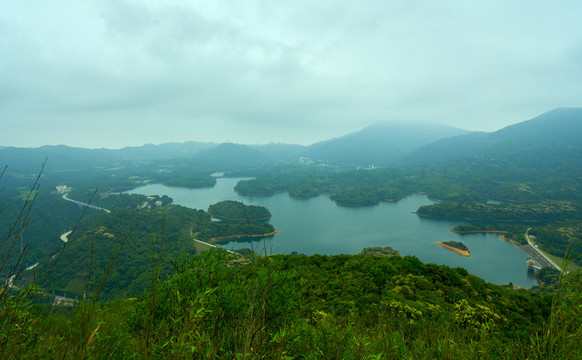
(85, 204)
(65, 236)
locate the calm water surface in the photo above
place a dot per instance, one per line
(319, 226)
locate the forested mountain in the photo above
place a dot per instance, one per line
(551, 138)
(28, 160)
(378, 144)
(187, 164)
(66, 157)
(166, 150)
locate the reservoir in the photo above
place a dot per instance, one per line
(319, 226)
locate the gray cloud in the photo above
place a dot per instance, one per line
(130, 72)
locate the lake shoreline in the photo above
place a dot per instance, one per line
(229, 237)
(477, 219)
(319, 226)
(479, 231)
(458, 251)
(234, 219)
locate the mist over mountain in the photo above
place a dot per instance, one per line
(167, 150)
(379, 144)
(229, 156)
(281, 152)
(552, 135)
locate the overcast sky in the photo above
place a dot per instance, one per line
(113, 73)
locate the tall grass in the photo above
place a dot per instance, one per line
(562, 336)
(15, 321)
(21, 327)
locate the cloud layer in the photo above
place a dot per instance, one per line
(127, 72)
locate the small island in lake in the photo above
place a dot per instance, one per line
(236, 210)
(239, 221)
(380, 251)
(456, 246)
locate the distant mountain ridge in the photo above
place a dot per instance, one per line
(554, 134)
(379, 144)
(165, 150)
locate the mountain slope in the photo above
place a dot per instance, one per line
(378, 144)
(166, 150)
(551, 138)
(281, 152)
(229, 156)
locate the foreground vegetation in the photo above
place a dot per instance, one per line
(316, 307)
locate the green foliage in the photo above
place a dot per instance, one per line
(511, 231)
(403, 312)
(549, 275)
(236, 210)
(560, 238)
(113, 201)
(190, 181)
(91, 243)
(560, 337)
(299, 306)
(380, 251)
(351, 188)
(227, 230)
(539, 211)
(480, 318)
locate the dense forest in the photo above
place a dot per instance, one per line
(137, 236)
(543, 211)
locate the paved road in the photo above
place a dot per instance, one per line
(542, 254)
(65, 236)
(216, 246)
(85, 204)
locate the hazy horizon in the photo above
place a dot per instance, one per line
(245, 143)
(111, 74)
